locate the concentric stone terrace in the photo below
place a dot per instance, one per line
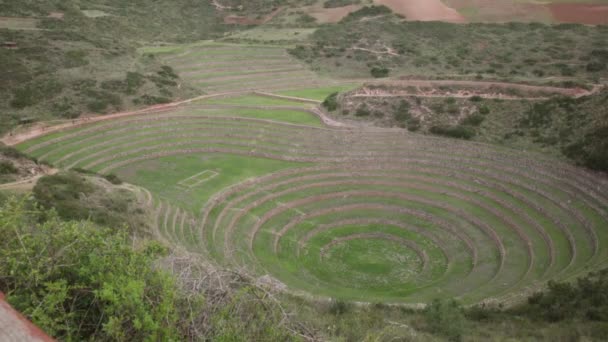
(362, 214)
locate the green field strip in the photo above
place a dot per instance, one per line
(255, 100)
(193, 77)
(248, 77)
(259, 79)
(232, 169)
(319, 93)
(213, 64)
(102, 144)
(235, 68)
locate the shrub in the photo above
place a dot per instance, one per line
(7, 168)
(134, 81)
(474, 119)
(445, 318)
(75, 58)
(150, 100)
(379, 72)
(460, 131)
(78, 281)
(167, 72)
(595, 66)
(475, 98)
(403, 112)
(112, 178)
(331, 102)
(362, 110)
(583, 299)
(413, 124)
(12, 152)
(484, 110)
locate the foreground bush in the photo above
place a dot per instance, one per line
(78, 281)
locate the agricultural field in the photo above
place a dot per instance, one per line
(352, 213)
(224, 67)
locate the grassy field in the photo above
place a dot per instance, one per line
(224, 67)
(367, 215)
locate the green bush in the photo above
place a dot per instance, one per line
(7, 168)
(77, 281)
(12, 152)
(331, 102)
(339, 3)
(402, 113)
(460, 131)
(362, 110)
(150, 100)
(484, 110)
(584, 299)
(474, 119)
(112, 178)
(445, 318)
(379, 72)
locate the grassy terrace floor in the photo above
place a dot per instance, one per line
(221, 67)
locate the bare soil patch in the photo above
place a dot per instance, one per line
(423, 10)
(18, 23)
(500, 11)
(580, 13)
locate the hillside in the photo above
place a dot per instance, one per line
(76, 57)
(530, 119)
(304, 170)
(375, 42)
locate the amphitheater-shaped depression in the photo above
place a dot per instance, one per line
(361, 214)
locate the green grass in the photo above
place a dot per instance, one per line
(272, 34)
(255, 100)
(317, 93)
(161, 176)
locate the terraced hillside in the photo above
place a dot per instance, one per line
(223, 67)
(366, 214)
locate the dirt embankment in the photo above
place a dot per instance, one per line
(580, 13)
(423, 10)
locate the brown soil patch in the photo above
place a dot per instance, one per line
(56, 15)
(500, 11)
(330, 15)
(580, 13)
(423, 10)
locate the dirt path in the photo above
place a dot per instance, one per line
(573, 92)
(28, 183)
(423, 10)
(285, 97)
(14, 139)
